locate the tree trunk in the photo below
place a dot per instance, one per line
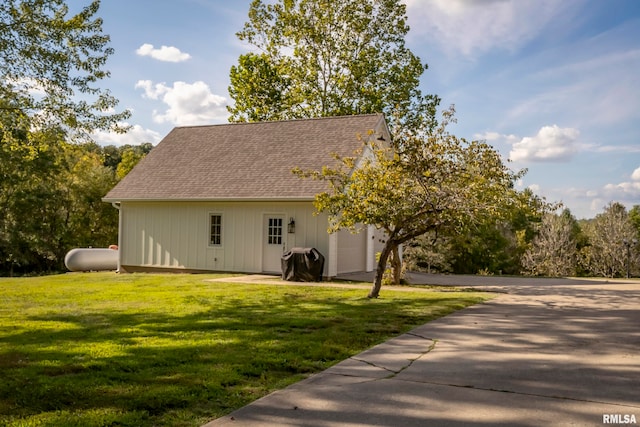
(382, 265)
(396, 265)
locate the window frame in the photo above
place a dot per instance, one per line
(219, 230)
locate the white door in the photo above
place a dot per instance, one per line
(273, 245)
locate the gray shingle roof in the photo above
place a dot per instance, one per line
(245, 161)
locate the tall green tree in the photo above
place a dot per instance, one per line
(419, 185)
(32, 200)
(90, 221)
(53, 204)
(326, 58)
(130, 158)
(487, 247)
(50, 64)
(493, 245)
(259, 90)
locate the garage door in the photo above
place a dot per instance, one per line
(352, 251)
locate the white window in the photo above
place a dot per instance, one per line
(215, 230)
(274, 233)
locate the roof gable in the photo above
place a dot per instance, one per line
(244, 161)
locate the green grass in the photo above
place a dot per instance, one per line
(100, 349)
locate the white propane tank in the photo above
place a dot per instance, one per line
(91, 259)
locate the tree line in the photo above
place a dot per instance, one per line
(52, 177)
(551, 244)
(51, 196)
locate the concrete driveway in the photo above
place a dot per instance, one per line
(554, 352)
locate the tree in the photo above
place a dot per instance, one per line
(25, 192)
(130, 158)
(553, 251)
(258, 89)
(52, 204)
(326, 58)
(112, 156)
(494, 245)
(49, 66)
(487, 247)
(419, 185)
(609, 233)
(634, 217)
(430, 252)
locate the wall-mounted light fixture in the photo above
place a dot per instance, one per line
(381, 138)
(291, 227)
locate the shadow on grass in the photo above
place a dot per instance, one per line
(562, 355)
(154, 368)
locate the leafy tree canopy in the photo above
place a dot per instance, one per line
(327, 58)
(429, 181)
(50, 64)
(52, 202)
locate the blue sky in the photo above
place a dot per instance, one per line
(553, 85)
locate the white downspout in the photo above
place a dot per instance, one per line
(117, 206)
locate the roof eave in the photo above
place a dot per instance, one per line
(204, 199)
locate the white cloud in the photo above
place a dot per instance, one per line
(488, 136)
(496, 137)
(628, 149)
(471, 27)
(188, 103)
(534, 187)
(135, 136)
(552, 143)
(151, 91)
(626, 193)
(629, 190)
(164, 53)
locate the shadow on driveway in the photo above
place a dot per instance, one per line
(545, 352)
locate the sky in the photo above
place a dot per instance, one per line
(553, 85)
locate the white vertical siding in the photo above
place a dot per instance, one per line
(176, 234)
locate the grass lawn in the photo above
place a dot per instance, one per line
(101, 349)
